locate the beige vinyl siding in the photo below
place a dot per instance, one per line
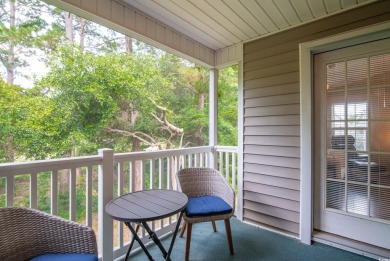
(271, 179)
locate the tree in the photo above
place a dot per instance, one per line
(29, 125)
(228, 106)
(22, 29)
(10, 98)
(196, 79)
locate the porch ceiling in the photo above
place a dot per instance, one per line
(218, 24)
(207, 32)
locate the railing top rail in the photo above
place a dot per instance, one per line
(226, 148)
(16, 168)
(121, 157)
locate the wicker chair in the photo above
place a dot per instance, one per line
(198, 182)
(27, 233)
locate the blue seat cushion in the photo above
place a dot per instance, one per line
(65, 257)
(207, 206)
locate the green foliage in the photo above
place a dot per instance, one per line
(90, 87)
(23, 33)
(86, 94)
(228, 106)
(29, 124)
(44, 192)
(2, 192)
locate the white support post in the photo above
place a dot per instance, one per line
(240, 152)
(213, 116)
(105, 190)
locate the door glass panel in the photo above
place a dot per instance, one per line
(335, 77)
(379, 165)
(357, 73)
(358, 136)
(379, 203)
(380, 103)
(380, 136)
(357, 199)
(380, 70)
(359, 133)
(357, 108)
(335, 197)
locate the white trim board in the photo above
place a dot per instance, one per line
(306, 51)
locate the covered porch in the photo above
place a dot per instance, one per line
(272, 168)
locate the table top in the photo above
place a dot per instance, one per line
(147, 205)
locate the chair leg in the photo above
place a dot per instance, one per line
(188, 241)
(183, 229)
(229, 236)
(214, 226)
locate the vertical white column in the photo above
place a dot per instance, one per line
(213, 116)
(105, 190)
(240, 152)
(306, 197)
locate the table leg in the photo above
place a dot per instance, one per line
(136, 237)
(155, 239)
(132, 240)
(174, 236)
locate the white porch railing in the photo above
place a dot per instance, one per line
(39, 185)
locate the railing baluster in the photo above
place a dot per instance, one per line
(72, 194)
(169, 165)
(131, 177)
(142, 173)
(220, 156)
(195, 160)
(175, 170)
(54, 192)
(152, 173)
(160, 173)
(234, 172)
(152, 170)
(142, 180)
(33, 190)
(189, 162)
(120, 192)
(227, 166)
(131, 184)
(160, 181)
(89, 196)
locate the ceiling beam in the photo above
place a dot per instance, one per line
(228, 56)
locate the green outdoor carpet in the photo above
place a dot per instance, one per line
(250, 243)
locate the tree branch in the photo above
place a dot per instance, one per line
(138, 135)
(163, 120)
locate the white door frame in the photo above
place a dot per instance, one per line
(306, 52)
